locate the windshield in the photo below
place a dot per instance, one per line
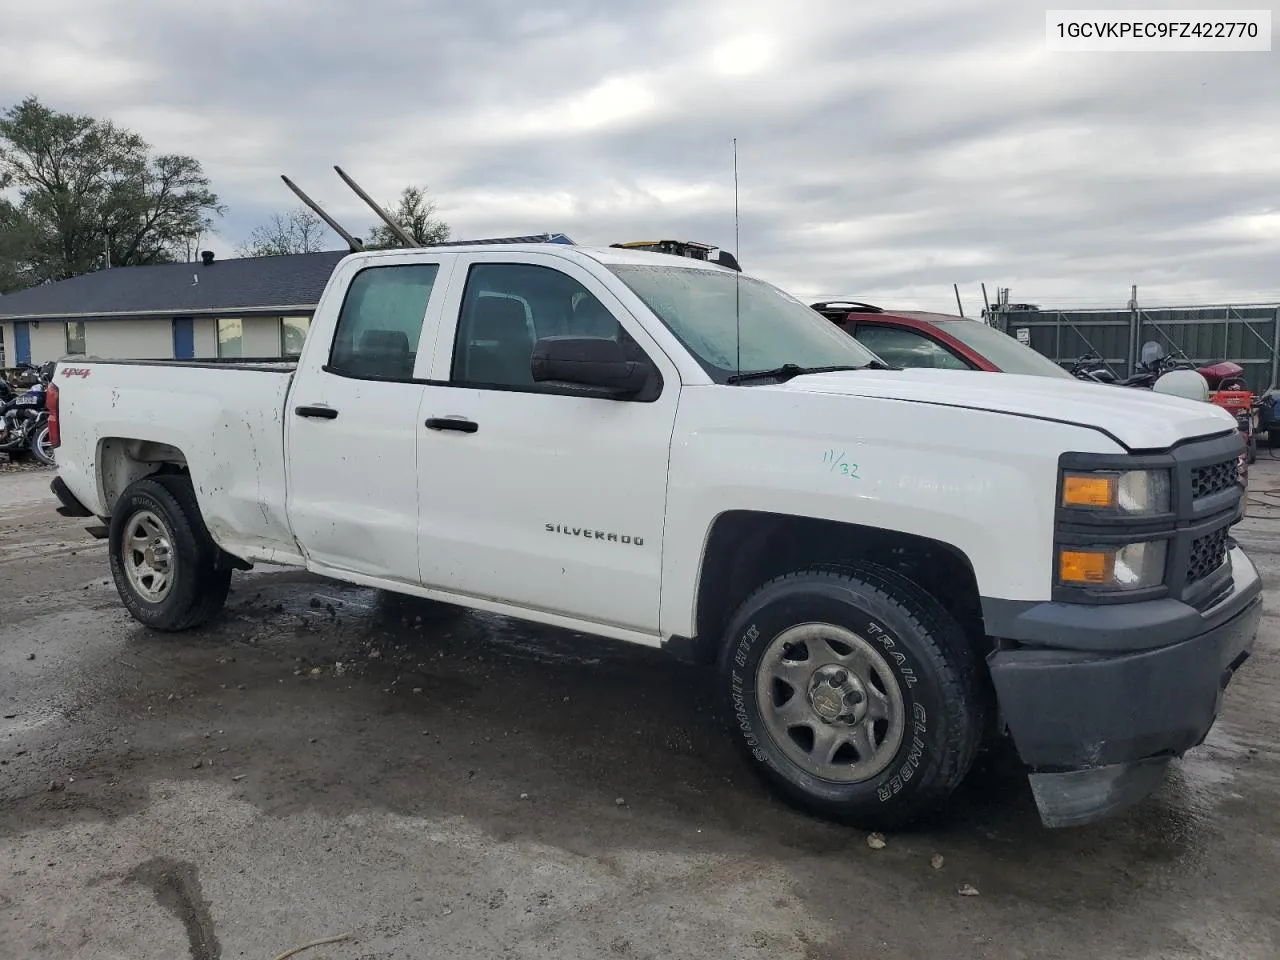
(1003, 350)
(721, 316)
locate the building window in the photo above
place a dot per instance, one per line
(293, 334)
(75, 337)
(230, 338)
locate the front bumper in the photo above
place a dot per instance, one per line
(1097, 727)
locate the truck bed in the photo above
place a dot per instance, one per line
(226, 417)
(268, 364)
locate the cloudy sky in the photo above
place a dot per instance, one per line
(886, 150)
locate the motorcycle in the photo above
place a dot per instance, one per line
(1092, 367)
(24, 419)
(1152, 365)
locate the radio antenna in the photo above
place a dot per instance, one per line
(352, 242)
(737, 255)
(395, 228)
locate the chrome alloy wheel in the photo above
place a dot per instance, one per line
(148, 556)
(831, 702)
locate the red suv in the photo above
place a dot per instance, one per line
(937, 340)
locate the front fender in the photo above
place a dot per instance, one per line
(981, 482)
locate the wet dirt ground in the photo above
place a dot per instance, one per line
(323, 762)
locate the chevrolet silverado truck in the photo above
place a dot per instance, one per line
(887, 568)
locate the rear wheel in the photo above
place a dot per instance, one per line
(168, 571)
(854, 693)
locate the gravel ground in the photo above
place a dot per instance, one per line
(327, 760)
(26, 465)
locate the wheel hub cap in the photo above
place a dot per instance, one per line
(835, 694)
(831, 702)
(147, 556)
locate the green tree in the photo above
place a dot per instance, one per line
(14, 241)
(298, 231)
(91, 194)
(416, 214)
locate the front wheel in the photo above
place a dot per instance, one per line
(167, 569)
(854, 693)
(41, 448)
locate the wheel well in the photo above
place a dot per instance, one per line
(124, 460)
(747, 548)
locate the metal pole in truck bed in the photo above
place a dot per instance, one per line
(398, 230)
(352, 242)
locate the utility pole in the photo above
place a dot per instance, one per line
(959, 305)
(1134, 332)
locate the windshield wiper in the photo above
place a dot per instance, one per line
(788, 370)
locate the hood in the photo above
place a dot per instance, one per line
(1138, 419)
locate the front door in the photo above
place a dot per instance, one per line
(531, 495)
(21, 343)
(352, 422)
(184, 339)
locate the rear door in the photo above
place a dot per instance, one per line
(352, 419)
(530, 495)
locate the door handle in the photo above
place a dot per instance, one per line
(323, 413)
(452, 423)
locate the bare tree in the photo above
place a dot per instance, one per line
(298, 231)
(416, 214)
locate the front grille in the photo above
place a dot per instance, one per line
(1207, 554)
(1206, 481)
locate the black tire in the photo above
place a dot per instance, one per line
(944, 709)
(1273, 439)
(37, 445)
(200, 577)
(1253, 449)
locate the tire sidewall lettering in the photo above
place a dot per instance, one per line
(750, 641)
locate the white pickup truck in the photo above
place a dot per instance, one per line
(886, 567)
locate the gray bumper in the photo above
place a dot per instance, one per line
(1097, 727)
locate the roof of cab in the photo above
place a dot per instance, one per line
(603, 255)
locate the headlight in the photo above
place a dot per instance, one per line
(1134, 566)
(1131, 493)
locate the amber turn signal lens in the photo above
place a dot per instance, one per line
(1085, 566)
(1082, 490)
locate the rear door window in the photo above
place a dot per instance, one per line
(381, 322)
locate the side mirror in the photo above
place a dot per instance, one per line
(597, 363)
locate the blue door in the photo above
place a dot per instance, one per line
(21, 343)
(184, 339)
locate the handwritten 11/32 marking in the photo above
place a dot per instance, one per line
(836, 463)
